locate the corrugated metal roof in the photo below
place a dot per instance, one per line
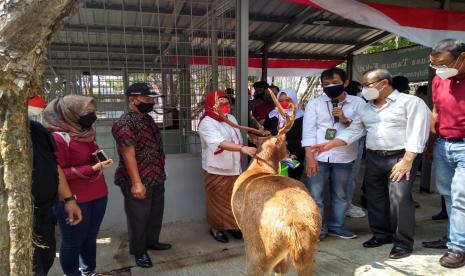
(130, 29)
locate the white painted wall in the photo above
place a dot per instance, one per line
(184, 193)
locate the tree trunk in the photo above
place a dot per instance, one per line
(26, 29)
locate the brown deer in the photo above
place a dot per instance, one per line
(279, 219)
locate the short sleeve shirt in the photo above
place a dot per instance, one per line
(140, 131)
(449, 101)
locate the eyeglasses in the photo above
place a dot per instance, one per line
(435, 67)
(368, 84)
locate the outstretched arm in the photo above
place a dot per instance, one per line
(327, 146)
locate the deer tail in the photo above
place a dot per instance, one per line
(303, 237)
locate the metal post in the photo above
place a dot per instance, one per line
(214, 81)
(172, 101)
(163, 101)
(242, 60)
(81, 91)
(91, 84)
(164, 84)
(185, 97)
(124, 72)
(264, 62)
(125, 78)
(99, 85)
(242, 57)
(350, 64)
(425, 185)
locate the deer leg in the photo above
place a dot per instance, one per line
(306, 269)
(256, 269)
(256, 265)
(282, 267)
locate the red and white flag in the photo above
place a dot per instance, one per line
(291, 67)
(424, 26)
(275, 67)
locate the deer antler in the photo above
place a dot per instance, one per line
(289, 120)
(260, 132)
(255, 122)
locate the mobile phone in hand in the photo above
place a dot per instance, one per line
(100, 156)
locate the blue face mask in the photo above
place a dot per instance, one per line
(333, 90)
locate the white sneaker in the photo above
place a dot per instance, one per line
(355, 212)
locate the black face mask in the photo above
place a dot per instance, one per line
(259, 94)
(333, 91)
(87, 120)
(144, 107)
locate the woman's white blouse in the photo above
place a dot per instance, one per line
(215, 160)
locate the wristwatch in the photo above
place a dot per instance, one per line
(70, 198)
(349, 121)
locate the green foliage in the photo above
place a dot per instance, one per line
(391, 44)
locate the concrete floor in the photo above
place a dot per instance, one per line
(194, 252)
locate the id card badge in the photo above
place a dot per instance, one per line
(330, 134)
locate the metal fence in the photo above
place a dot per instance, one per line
(184, 47)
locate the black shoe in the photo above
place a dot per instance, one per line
(439, 244)
(143, 260)
(375, 242)
(237, 234)
(159, 246)
(219, 236)
(440, 216)
(398, 252)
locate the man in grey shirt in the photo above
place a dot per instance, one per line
(397, 127)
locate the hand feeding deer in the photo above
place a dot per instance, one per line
(276, 214)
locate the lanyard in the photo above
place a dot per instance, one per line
(329, 111)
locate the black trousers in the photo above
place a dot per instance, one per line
(44, 240)
(391, 210)
(144, 217)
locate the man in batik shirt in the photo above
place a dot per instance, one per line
(141, 172)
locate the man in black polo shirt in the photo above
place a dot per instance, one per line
(48, 182)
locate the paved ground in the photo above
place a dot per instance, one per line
(196, 253)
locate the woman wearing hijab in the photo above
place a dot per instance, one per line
(70, 120)
(221, 162)
(294, 137)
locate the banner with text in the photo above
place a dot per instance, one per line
(411, 62)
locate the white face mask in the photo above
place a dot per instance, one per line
(445, 73)
(34, 111)
(370, 93)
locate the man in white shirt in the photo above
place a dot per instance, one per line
(324, 117)
(397, 127)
